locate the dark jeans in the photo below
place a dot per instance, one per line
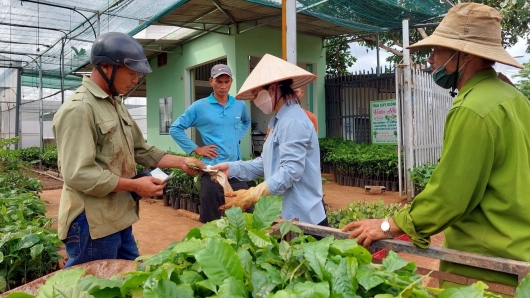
(212, 197)
(81, 248)
(323, 223)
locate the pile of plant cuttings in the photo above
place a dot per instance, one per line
(237, 256)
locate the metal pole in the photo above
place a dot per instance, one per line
(378, 72)
(62, 71)
(407, 121)
(17, 108)
(284, 29)
(290, 30)
(98, 23)
(41, 106)
(399, 103)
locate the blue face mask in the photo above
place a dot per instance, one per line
(444, 79)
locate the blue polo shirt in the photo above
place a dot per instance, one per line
(219, 125)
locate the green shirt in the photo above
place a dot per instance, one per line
(97, 143)
(478, 194)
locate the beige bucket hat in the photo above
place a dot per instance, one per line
(471, 28)
(271, 69)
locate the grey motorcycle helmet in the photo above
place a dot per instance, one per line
(116, 49)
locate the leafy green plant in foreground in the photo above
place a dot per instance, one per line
(28, 247)
(237, 257)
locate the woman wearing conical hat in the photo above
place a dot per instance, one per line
(290, 161)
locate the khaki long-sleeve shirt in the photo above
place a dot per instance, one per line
(98, 142)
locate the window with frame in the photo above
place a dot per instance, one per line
(161, 59)
(165, 110)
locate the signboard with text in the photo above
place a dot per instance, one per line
(383, 120)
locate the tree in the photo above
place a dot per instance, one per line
(524, 84)
(391, 42)
(515, 13)
(338, 56)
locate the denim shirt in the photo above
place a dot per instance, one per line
(290, 163)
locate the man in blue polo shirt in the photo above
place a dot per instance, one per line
(222, 122)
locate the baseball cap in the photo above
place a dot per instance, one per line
(220, 69)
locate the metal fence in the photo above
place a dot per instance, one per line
(426, 119)
(347, 112)
(348, 102)
(430, 104)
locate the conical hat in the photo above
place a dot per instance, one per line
(271, 69)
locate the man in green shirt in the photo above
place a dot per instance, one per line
(478, 194)
(99, 145)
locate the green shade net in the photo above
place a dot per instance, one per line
(53, 82)
(40, 35)
(368, 16)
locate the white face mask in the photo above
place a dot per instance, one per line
(264, 101)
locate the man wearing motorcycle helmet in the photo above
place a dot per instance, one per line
(99, 145)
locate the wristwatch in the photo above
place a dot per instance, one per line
(385, 226)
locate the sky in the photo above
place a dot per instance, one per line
(367, 59)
